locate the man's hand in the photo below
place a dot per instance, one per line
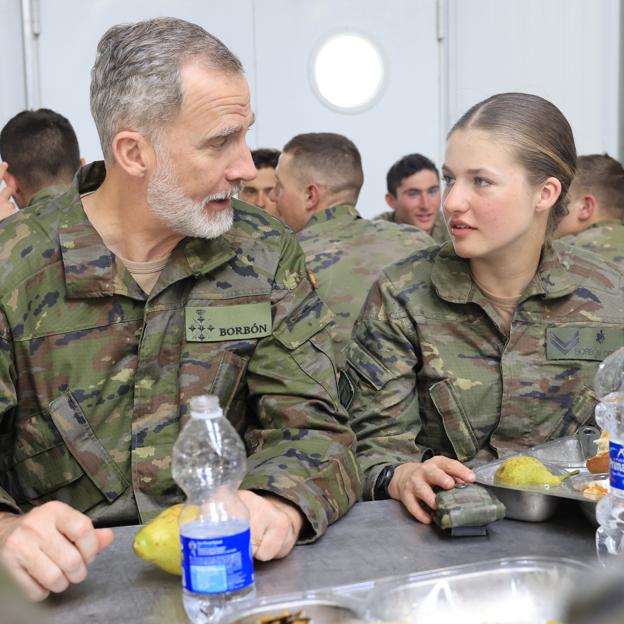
(275, 525)
(7, 207)
(413, 482)
(49, 547)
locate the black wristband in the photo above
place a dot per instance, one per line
(380, 491)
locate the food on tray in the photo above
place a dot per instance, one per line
(285, 618)
(522, 470)
(594, 490)
(600, 461)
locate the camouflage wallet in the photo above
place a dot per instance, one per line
(467, 506)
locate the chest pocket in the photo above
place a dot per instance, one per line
(75, 468)
(580, 413)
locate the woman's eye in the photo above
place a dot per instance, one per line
(481, 182)
(448, 179)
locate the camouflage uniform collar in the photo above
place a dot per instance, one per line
(604, 223)
(92, 270)
(342, 212)
(46, 194)
(453, 282)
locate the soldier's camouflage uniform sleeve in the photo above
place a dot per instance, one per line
(8, 402)
(302, 448)
(380, 365)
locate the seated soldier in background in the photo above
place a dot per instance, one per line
(319, 177)
(414, 195)
(145, 284)
(596, 208)
(41, 155)
(259, 191)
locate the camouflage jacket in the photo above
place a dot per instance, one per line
(46, 195)
(431, 372)
(605, 238)
(346, 254)
(95, 376)
(439, 232)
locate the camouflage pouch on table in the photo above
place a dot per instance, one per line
(467, 506)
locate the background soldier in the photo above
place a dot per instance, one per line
(319, 179)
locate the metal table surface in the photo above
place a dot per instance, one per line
(374, 540)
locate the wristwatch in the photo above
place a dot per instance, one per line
(380, 491)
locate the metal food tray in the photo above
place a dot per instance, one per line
(506, 591)
(565, 452)
(578, 482)
(530, 503)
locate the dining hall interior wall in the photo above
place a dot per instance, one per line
(441, 56)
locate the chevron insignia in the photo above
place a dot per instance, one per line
(565, 346)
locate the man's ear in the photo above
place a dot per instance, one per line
(549, 193)
(83, 162)
(133, 153)
(391, 200)
(19, 193)
(312, 197)
(588, 208)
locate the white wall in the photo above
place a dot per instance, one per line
(564, 50)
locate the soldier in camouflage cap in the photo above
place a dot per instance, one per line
(596, 208)
(145, 285)
(42, 155)
(319, 177)
(414, 195)
(490, 343)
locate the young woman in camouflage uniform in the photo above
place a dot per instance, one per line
(491, 342)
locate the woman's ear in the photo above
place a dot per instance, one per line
(133, 153)
(548, 194)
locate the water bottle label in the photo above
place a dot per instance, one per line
(217, 565)
(616, 465)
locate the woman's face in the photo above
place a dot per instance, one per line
(489, 206)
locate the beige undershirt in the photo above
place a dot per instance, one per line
(145, 274)
(504, 306)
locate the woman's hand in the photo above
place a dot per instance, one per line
(413, 482)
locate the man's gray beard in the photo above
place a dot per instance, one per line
(181, 214)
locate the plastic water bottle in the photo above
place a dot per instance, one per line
(209, 462)
(609, 385)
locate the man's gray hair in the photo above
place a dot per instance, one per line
(136, 79)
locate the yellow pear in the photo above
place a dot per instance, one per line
(159, 541)
(522, 470)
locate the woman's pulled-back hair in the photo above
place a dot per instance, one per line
(539, 135)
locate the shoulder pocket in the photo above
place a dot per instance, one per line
(368, 366)
(306, 321)
(454, 419)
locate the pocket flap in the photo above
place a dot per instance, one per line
(309, 318)
(85, 447)
(455, 420)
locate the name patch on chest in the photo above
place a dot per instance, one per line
(235, 322)
(582, 343)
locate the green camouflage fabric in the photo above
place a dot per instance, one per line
(439, 232)
(431, 371)
(346, 254)
(469, 505)
(95, 376)
(605, 238)
(46, 195)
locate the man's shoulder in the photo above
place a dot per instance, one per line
(391, 231)
(388, 215)
(256, 224)
(29, 240)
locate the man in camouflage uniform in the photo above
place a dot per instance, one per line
(414, 195)
(319, 177)
(42, 155)
(430, 372)
(147, 284)
(596, 208)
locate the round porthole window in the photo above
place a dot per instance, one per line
(347, 72)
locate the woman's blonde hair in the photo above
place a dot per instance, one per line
(539, 135)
